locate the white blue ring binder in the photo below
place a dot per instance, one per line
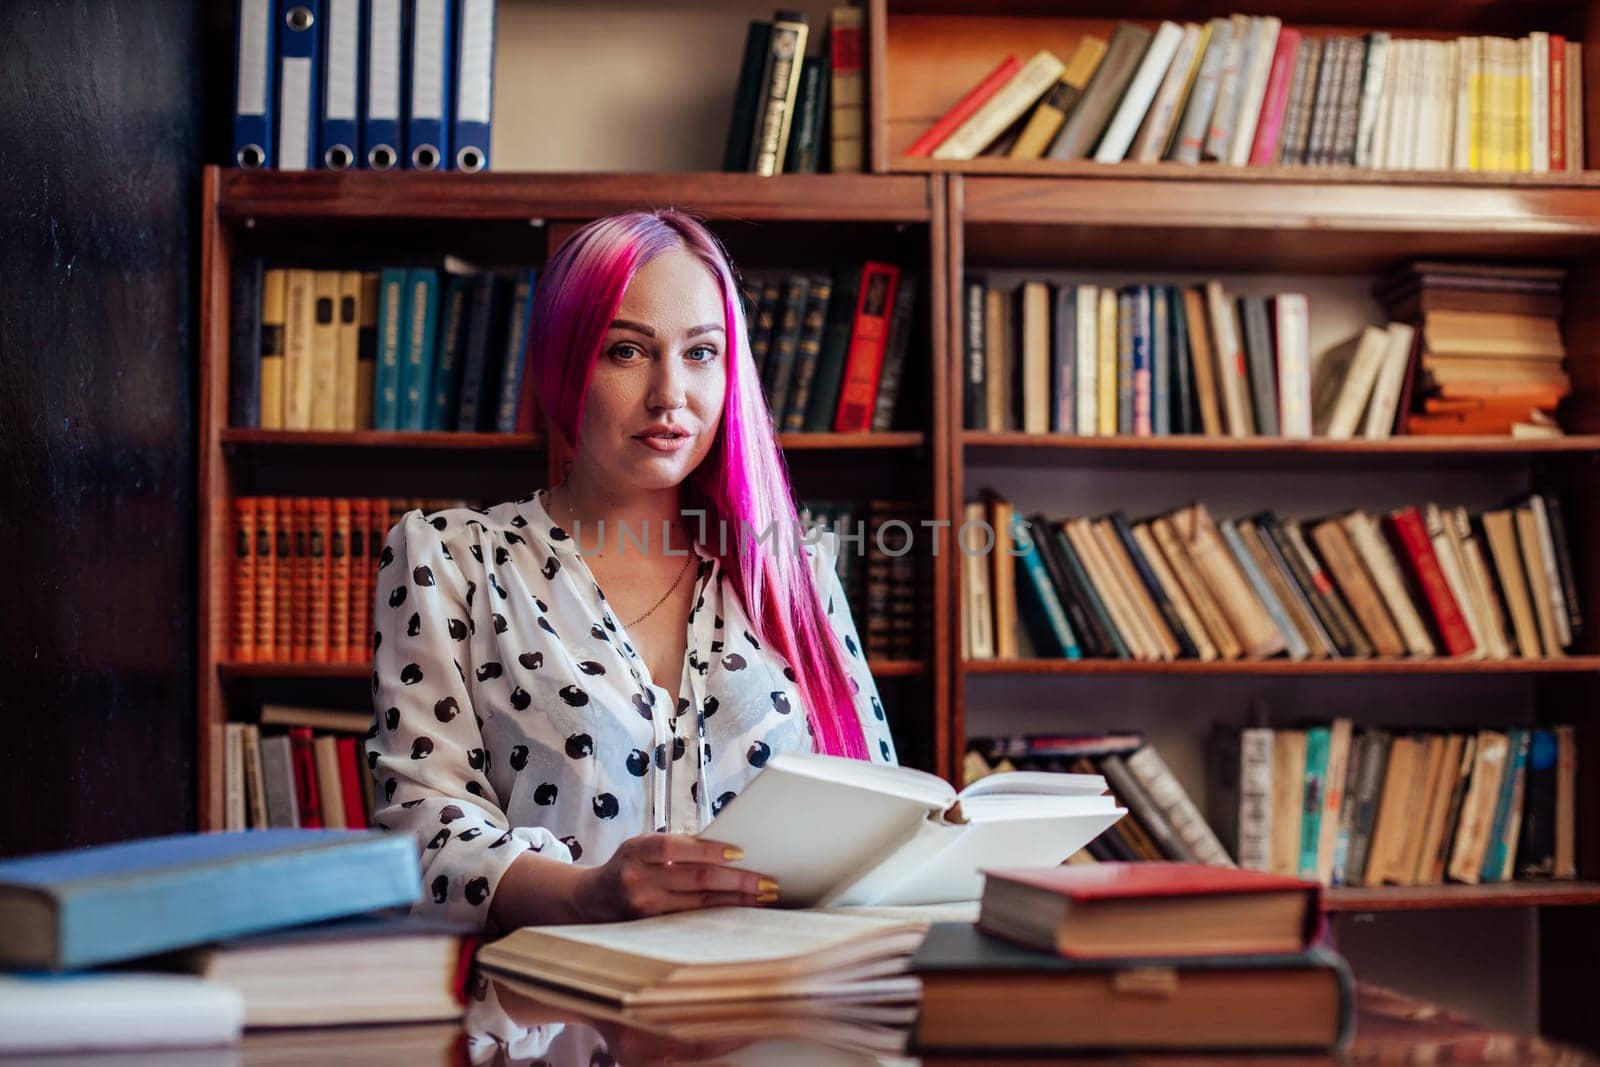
(470, 159)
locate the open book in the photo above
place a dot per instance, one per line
(836, 831)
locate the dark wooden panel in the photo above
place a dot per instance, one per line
(104, 108)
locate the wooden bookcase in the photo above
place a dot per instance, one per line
(995, 216)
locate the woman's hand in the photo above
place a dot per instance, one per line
(653, 874)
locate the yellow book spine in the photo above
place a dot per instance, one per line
(325, 352)
(1050, 114)
(347, 315)
(1474, 53)
(273, 283)
(1106, 371)
(299, 321)
(1525, 105)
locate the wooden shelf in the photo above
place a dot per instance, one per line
(1307, 225)
(1442, 897)
(1183, 172)
(500, 196)
(234, 670)
(1567, 665)
(1282, 448)
(235, 440)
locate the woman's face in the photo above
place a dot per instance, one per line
(656, 395)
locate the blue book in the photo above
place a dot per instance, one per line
(339, 133)
(299, 59)
(1140, 355)
(255, 84)
(1064, 358)
(474, 95)
(1125, 361)
(429, 51)
(485, 329)
(1312, 799)
(452, 338)
(1505, 805)
(516, 353)
(82, 908)
(1160, 362)
(416, 352)
(383, 81)
(392, 319)
(1051, 630)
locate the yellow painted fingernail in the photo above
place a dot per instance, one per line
(731, 853)
(767, 898)
(766, 885)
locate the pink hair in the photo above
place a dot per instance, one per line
(742, 482)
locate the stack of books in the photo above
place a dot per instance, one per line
(794, 113)
(1135, 956)
(1417, 581)
(1163, 821)
(211, 933)
(1492, 359)
(1377, 806)
(401, 348)
(831, 348)
(1248, 90)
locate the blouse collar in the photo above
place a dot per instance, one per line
(560, 541)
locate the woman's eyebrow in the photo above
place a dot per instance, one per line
(707, 328)
(637, 327)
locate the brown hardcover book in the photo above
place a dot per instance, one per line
(1202, 362)
(1461, 774)
(1033, 330)
(1477, 809)
(1288, 800)
(318, 535)
(1117, 603)
(1288, 594)
(1566, 858)
(330, 789)
(846, 125)
(339, 582)
(998, 361)
(1499, 530)
(1188, 616)
(300, 583)
(1101, 96)
(284, 564)
(1436, 798)
(265, 537)
(1384, 570)
(244, 578)
(358, 637)
(1215, 564)
(1205, 605)
(1003, 573)
(1394, 813)
(1431, 763)
(1149, 613)
(1535, 568)
(1359, 592)
(273, 293)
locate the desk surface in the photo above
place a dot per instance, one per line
(509, 1027)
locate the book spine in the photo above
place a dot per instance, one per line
(351, 771)
(780, 83)
(935, 136)
(1083, 589)
(976, 352)
(1372, 89)
(1374, 765)
(1511, 780)
(324, 350)
(1269, 130)
(1553, 537)
(263, 543)
(1001, 107)
(391, 327)
(1091, 640)
(1152, 772)
(317, 538)
(845, 111)
(421, 328)
(514, 363)
(300, 582)
(1163, 603)
(1558, 102)
(1131, 792)
(302, 750)
(339, 581)
(446, 387)
(868, 337)
(1253, 79)
(1063, 359)
(819, 294)
(1257, 583)
(1137, 97)
(366, 349)
(1378, 561)
(1536, 848)
(741, 123)
(1143, 337)
(245, 353)
(1255, 798)
(356, 606)
(1125, 376)
(1316, 785)
(823, 404)
(1203, 96)
(299, 322)
(1263, 371)
(805, 134)
(1293, 349)
(1314, 583)
(1161, 389)
(1219, 133)
(243, 582)
(1406, 527)
(1160, 123)
(788, 323)
(1043, 596)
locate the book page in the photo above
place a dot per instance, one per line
(1033, 783)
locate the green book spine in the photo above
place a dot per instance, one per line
(1315, 791)
(824, 399)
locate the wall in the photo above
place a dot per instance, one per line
(99, 179)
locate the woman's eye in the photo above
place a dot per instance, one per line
(625, 351)
(702, 353)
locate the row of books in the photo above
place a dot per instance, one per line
(299, 767)
(1378, 806)
(397, 349)
(794, 113)
(1247, 90)
(831, 348)
(182, 941)
(343, 84)
(1491, 358)
(1416, 581)
(880, 574)
(304, 574)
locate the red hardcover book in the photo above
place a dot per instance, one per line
(300, 586)
(1410, 535)
(1558, 102)
(339, 581)
(976, 97)
(302, 752)
(350, 771)
(283, 629)
(244, 578)
(357, 639)
(858, 389)
(266, 578)
(317, 579)
(1135, 910)
(1265, 148)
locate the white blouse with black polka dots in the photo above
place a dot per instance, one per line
(512, 712)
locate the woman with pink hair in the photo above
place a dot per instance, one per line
(560, 703)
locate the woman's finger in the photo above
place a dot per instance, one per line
(714, 878)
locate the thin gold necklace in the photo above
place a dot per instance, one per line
(675, 582)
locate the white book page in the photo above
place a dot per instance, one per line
(1035, 783)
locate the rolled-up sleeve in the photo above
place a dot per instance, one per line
(869, 706)
(426, 751)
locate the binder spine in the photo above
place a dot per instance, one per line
(299, 57)
(428, 116)
(474, 102)
(382, 55)
(341, 81)
(255, 83)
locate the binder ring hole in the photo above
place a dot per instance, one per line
(425, 157)
(252, 155)
(339, 157)
(299, 18)
(470, 160)
(382, 157)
